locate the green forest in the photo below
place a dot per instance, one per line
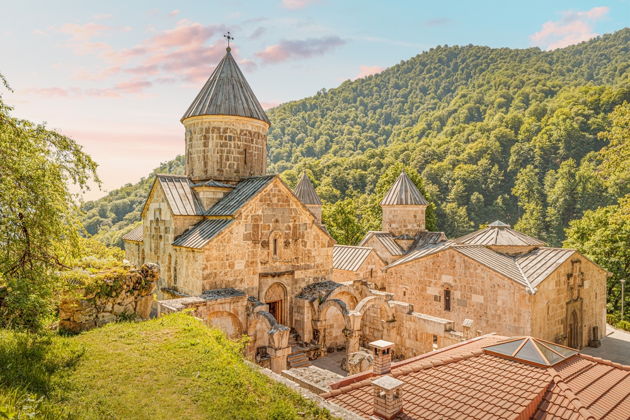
(537, 139)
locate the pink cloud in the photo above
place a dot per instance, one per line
(51, 91)
(173, 12)
(268, 105)
(297, 4)
(574, 27)
(368, 71)
(83, 32)
(115, 91)
(287, 50)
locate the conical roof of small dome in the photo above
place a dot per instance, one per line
(305, 191)
(498, 233)
(226, 93)
(403, 192)
(531, 350)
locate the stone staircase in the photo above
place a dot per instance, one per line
(297, 359)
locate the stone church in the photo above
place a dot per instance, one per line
(249, 256)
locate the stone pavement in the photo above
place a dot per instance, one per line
(615, 346)
(331, 362)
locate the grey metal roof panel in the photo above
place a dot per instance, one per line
(403, 192)
(136, 234)
(305, 191)
(387, 240)
(201, 233)
(425, 238)
(498, 233)
(422, 252)
(227, 93)
(346, 257)
(500, 263)
(540, 263)
(241, 194)
(180, 196)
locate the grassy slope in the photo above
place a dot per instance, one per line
(171, 367)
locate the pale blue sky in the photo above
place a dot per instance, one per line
(118, 75)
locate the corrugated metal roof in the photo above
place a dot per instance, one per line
(201, 233)
(240, 195)
(227, 93)
(180, 196)
(425, 238)
(403, 192)
(135, 234)
(386, 239)
(349, 258)
(500, 263)
(422, 252)
(540, 263)
(305, 191)
(498, 233)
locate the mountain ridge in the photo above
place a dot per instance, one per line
(493, 132)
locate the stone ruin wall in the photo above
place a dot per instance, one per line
(116, 296)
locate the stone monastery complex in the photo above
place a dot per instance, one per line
(250, 256)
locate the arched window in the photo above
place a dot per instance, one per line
(275, 245)
(447, 299)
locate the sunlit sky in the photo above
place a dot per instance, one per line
(118, 75)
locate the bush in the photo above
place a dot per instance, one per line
(623, 325)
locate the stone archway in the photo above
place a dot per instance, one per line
(226, 322)
(334, 324)
(269, 340)
(346, 296)
(276, 298)
(371, 315)
(573, 339)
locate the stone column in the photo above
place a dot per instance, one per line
(352, 340)
(279, 359)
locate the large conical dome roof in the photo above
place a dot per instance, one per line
(227, 93)
(403, 192)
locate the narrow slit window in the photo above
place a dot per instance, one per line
(447, 299)
(275, 247)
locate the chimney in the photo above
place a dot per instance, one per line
(382, 356)
(388, 402)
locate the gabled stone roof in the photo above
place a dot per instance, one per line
(498, 233)
(179, 195)
(403, 193)
(305, 191)
(473, 380)
(227, 93)
(386, 239)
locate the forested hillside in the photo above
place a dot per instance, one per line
(506, 134)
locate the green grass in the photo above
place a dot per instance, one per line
(171, 367)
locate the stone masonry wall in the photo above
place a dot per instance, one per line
(115, 294)
(225, 148)
(554, 296)
(403, 220)
(371, 271)
(495, 303)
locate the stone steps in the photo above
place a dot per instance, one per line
(297, 359)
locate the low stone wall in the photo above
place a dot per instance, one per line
(105, 297)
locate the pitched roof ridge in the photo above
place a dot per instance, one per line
(305, 191)
(354, 246)
(604, 361)
(349, 387)
(403, 192)
(174, 175)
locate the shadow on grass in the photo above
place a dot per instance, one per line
(34, 363)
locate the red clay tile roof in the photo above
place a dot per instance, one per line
(464, 381)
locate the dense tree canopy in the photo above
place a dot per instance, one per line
(38, 220)
(506, 134)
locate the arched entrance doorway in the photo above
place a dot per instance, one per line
(276, 299)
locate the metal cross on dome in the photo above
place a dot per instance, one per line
(229, 38)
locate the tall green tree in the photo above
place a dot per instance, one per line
(604, 236)
(341, 221)
(39, 229)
